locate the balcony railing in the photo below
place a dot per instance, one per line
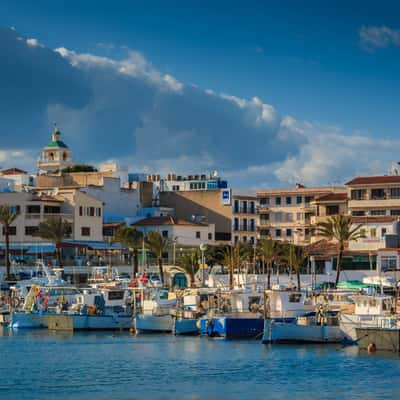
(242, 210)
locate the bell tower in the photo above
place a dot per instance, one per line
(55, 156)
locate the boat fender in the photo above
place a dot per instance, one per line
(371, 348)
(14, 302)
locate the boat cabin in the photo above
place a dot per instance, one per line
(373, 305)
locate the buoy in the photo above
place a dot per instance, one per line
(371, 348)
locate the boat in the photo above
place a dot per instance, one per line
(192, 304)
(238, 314)
(379, 338)
(155, 311)
(370, 311)
(321, 326)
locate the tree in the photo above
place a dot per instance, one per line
(268, 251)
(234, 256)
(7, 217)
(215, 255)
(296, 258)
(130, 237)
(158, 246)
(190, 263)
(340, 228)
(54, 229)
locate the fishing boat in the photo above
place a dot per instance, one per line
(370, 311)
(379, 338)
(238, 314)
(155, 311)
(191, 305)
(321, 326)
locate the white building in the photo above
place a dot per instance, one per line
(181, 232)
(16, 179)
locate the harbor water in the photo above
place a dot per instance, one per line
(44, 365)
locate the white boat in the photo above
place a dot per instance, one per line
(156, 311)
(319, 327)
(370, 311)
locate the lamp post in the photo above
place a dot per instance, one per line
(203, 247)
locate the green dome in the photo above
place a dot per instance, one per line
(55, 140)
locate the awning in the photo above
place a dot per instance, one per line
(41, 248)
(94, 245)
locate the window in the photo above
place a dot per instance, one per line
(288, 200)
(252, 241)
(358, 194)
(209, 236)
(85, 231)
(332, 210)
(308, 199)
(278, 232)
(33, 209)
(378, 212)
(198, 235)
(31, 230)
(252, 225)
(244, 239)
(244, 206)
(236, 239)
(252, 207)
(363, 232)
(358, 213)
(378, 194)
(288, 232)
(264, 201)
(98, 212)
(236, 224)
(299, 200)
(394, 212)
(383, 232)
(52, 209)
(90, 211)
(15, 209)
(278, 201)
(264, 218)
(299, 216)
(236, 206)
(12, 230)
(244, 226)
(395, 193)
(373, 232)
(388, 263)
(164, 234)
(294, 298)
(80, 211)
(175, 188)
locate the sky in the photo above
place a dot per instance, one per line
(268, 93)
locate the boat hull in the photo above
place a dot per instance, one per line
(20, 320)
(186, 326)
(384, 339)
(293, 333)
(89, 322)
(232, 328)
(151, 323)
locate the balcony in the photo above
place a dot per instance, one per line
(263, 208)
(242, 210)
(375, 202)
(33, 216)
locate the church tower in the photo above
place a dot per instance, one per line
(55, 156)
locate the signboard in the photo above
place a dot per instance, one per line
(226, 197)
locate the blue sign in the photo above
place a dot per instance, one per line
(226, 196)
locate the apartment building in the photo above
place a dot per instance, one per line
(244, 216)
(286, 214)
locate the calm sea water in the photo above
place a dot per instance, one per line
(43, 365)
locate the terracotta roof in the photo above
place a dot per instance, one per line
(165, 220)
(113, 224)
(333, 197)
(378, 218)
(322, 247)
(370, 180)
(13, 171)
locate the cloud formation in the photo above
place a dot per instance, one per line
(127, 110)
(374, 37)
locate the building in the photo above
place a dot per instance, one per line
(17, 179)
(244, 216)
(286, 214)
(181, 232)
(374, 196)
(55, 156)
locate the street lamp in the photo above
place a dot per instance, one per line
(203, 248)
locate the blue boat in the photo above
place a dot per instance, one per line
(232, 327)
(186, 326)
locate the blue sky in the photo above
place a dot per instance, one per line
(329, 73)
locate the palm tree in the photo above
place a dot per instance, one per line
(340, 228)
(7, 217)
(157, 245)
(190, 263)
(130, 237)
(233, 258)
(55, 229)
(296, 258)
(268, 252)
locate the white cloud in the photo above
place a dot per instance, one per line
(34, 43)
(373, 37)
